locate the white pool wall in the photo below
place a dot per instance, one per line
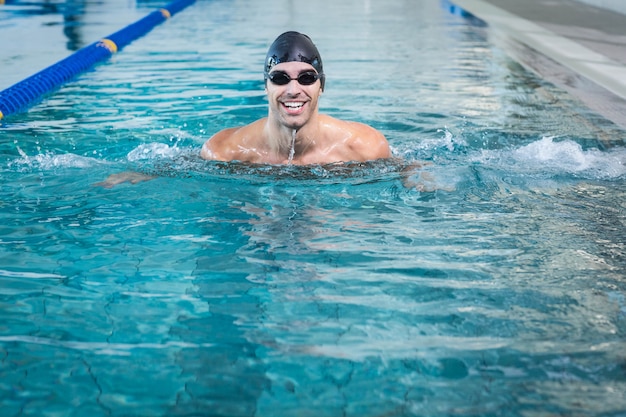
(615, 5)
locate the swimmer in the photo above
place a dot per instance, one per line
(294, 131)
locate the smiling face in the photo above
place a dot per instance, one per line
(292, 105)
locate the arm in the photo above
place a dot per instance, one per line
(126, 176)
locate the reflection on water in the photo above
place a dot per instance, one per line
(237, 290)
(71, 10)
(72, 22)
(76, 14)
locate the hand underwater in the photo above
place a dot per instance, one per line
(126, 176)
(415, 176)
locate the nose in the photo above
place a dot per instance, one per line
(293, 87)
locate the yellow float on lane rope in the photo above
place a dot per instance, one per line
(109, 44)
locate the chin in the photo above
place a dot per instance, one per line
(293, 123)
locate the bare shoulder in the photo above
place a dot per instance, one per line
(227, 144)
(219, 146)
(364, 142)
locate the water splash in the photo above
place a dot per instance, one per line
(292, 151)
(557, 157)
(153, 151)
(47, 161)
(446, 143)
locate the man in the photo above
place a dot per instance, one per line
(294, 131)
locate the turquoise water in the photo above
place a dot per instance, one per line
(229, 290)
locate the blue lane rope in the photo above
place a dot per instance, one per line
(22, 95)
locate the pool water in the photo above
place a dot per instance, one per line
(488, 282)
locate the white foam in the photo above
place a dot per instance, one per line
(47, 161)
(447, 141)
(151, 151)
(558, 157)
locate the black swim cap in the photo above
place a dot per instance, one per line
(294, 47)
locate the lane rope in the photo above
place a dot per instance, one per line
(22, 95)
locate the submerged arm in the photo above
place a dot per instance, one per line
(122, 177)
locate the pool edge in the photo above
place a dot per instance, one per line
(594, 77)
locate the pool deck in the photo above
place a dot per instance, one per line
(579, 47)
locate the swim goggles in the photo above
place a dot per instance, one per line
(304, 78)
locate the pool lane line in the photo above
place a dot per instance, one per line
(20, 96)
(594, 66)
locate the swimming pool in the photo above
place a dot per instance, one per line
(229, 290)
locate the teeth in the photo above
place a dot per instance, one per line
(293, 104)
